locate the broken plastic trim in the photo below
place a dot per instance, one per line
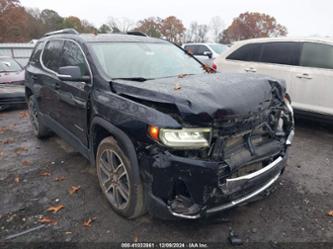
(290, 137)
(230, 204)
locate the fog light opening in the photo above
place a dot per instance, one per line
(181, 201)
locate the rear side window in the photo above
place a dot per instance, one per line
(196, 49)
(73, 56)
(287, 53)
(249, 52)
(52, 54)
(36, 53)
(317, 55)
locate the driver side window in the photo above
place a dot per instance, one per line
(73, 56)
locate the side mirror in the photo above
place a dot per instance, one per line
(208, 53)
(71, 73)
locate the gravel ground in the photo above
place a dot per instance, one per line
(29, 170)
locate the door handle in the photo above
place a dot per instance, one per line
(57, 86)
(250, 69)
(34, 77)
(304, 76)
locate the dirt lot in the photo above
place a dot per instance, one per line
(295, 212)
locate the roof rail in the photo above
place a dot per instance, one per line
(62, 31)
(138, 33)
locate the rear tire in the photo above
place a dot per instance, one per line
(39, 129)
(119, 180)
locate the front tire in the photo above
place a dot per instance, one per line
(119, 180)
(39, 129)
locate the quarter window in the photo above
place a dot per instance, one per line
(36, 54)
(52, 54)
(317, 55)
(286, 53)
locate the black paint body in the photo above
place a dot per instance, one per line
(230, 104)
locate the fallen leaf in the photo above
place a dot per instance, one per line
(23, 114)
(177, 87)
(3, 130)
(20, 150)
(8, 141)
(74, 189)
(55, 209)
(45, 173)
(59, 178)
(17, 179)
(47, 220)
(26, 162)
(330, 213)
(87, 223)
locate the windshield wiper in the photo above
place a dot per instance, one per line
(140, 79)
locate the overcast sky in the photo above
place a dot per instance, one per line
(302, 17)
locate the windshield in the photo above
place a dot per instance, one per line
(218, 48)
(9, 65)
(144, 60)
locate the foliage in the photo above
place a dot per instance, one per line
(173, 29)
(252, 25)
(151, 26)
(19, 24)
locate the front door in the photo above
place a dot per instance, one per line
(73, 95)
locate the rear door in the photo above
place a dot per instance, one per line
(49, 82)
(278, 60)
(313, 80)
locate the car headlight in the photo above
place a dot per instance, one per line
(187, 138)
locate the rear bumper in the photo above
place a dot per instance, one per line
(210, 189)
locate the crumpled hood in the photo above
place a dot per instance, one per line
(11, 77)
(206, 97)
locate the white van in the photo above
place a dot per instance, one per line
(306, 64)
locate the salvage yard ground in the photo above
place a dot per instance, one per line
(36, 175)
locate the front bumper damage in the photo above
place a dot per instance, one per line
(192, 188)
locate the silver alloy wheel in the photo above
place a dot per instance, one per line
(33, 114)
(114, 178)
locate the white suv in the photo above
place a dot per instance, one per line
(306, 65)
(205, 52)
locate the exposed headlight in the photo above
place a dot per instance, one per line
(187, 138)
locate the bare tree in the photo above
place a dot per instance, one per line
(197, 32)
(202, 33)
(122, 24)
(216, 26)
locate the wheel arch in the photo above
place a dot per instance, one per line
(100, 129)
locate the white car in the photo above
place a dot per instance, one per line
(205, 52)
(306, 64)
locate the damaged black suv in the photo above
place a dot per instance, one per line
(166, 134)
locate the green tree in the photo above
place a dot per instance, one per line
(51, 19)
(103, 29)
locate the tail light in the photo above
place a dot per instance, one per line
(214, 66)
